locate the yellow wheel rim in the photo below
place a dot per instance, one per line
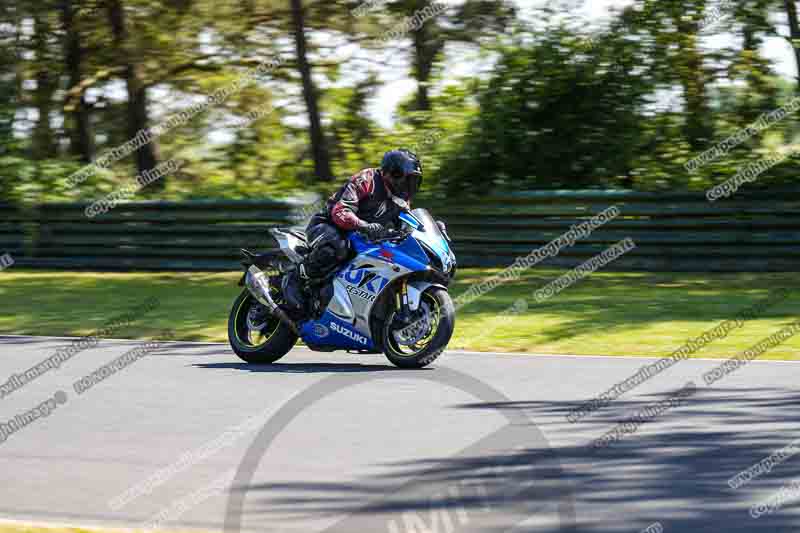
(249, 342)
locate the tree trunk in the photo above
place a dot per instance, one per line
(699, 129)
(794, 34)
(761, 94)
(81, 138)
(147, 156)
(44, 144)
(426, 46)
(182, 6)
(750, 46)
(322, 165)
(10, 61)
(422, 69)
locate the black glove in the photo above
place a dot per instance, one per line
(443, 229)
(373, 230)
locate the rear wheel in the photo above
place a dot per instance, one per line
(255, 335)
(419, 344)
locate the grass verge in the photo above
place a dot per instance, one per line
(608, 313)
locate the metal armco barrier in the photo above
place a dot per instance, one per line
(672, 231)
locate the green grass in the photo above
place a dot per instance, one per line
(608, 313)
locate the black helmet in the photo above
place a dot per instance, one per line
(402, 170)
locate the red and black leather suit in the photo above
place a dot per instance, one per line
(365, 198)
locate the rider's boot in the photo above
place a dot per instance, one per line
(295, 288)
(302, 287)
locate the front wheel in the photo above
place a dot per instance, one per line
(420, 343)
(255, 335)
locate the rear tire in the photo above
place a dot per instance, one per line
(278, 339)
(439, 299)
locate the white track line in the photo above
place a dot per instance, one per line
(62, 525)
(46, 525)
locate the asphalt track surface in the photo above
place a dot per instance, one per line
(339, 442)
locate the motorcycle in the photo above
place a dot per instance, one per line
(390, 297)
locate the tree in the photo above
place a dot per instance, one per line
(669, 31)
(748, 63)
(794, 33)
(432, 28)
(554, 115)
(685, 17)
(147, 156)
(81, 136)
(44, 145)
(9, 83)
(322, 165)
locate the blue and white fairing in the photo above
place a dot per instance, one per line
(428, 235)
(346, 321)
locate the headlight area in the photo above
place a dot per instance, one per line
(436, 261)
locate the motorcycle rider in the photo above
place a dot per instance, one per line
(366, 203)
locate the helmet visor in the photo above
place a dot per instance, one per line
(405, 184)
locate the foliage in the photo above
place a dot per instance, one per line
(624, 104)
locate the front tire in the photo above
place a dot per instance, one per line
(253, 345)
(441, 315)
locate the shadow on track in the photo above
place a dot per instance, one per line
(301, 368)
(15, 341)
(676, 475)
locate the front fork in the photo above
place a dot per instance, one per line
(401, 301)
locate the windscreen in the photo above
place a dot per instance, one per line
(432, 236)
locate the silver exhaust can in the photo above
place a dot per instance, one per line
(257, 282)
